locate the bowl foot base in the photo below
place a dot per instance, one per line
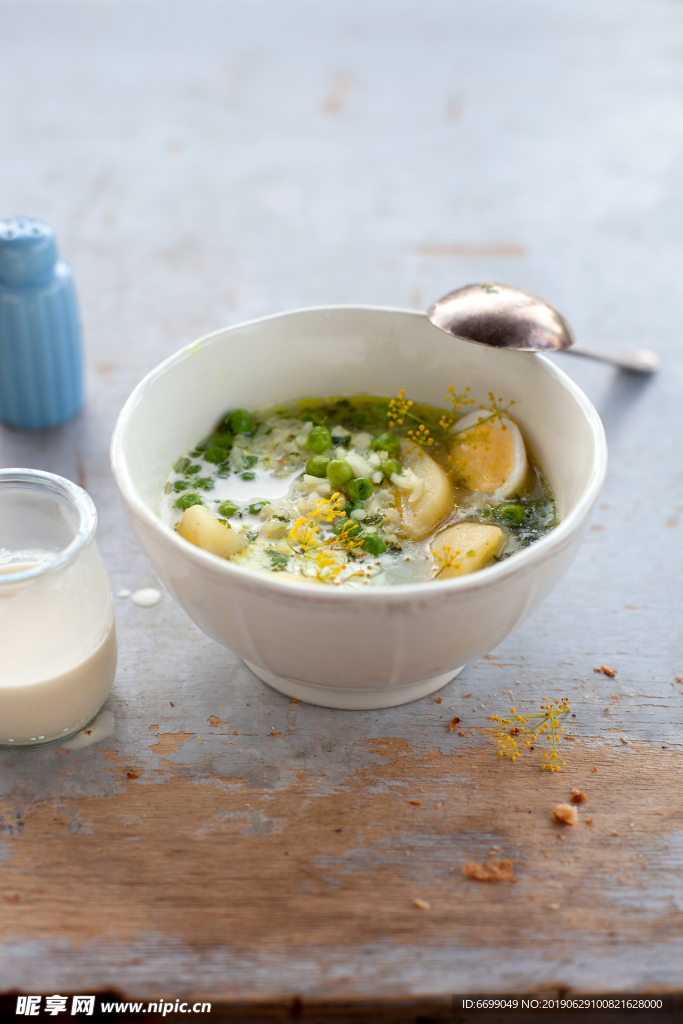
(349, 698)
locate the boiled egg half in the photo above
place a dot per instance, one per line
(490, 456)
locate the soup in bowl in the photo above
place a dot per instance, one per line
(358, 640)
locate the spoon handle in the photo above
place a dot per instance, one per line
(641, 360)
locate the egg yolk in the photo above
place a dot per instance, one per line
(485, 458)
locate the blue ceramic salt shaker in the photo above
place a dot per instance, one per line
(41, 353)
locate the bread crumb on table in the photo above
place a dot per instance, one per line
(453, 725)
(489, 871)
(566, 814)
(578, 797)
(422, 904)
(611, 672)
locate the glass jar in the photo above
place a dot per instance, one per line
(57, 632)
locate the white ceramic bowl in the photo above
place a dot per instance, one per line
(337, 647)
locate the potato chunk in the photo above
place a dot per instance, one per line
(464, 548)
(428, 500)
(207, 531)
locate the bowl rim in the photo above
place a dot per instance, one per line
(541, 550)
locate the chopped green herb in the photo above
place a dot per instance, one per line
(278, 559)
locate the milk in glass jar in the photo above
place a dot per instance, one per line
(57, 633)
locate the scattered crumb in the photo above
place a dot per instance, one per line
(274, 735)
(553, 906)
(566, 814)
(462, 733)
(594, 768)
(171, 703)
(422, 904)
(438, 700)
(679, 679)
(589, 821)
(611, 672)
(578, 797)
(489, 871)
(439, 806)
(467, 694)
(132, 775)
(294, 700)
(452, 726)
(417, 803)
(615, 832)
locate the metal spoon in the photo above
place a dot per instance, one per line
(505, 317)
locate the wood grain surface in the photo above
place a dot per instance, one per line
(207, 162)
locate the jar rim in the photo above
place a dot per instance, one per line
(79, 500)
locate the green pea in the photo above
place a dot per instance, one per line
(319, 440)
(386, 443)
(187, 500)
(373, 544)
(311, 417)
(339, 472)
(192, 469)
(205, 482)
(511, 512)
(257, 506)
(228, 509)
(317, 465)
(215, 455)
(248, 476)
(347, 527)
(390, 467)
(223, 440)
(181, 465)
(181, 485)
(242, 422)
(360, 489)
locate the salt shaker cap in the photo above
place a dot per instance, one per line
(28, 251)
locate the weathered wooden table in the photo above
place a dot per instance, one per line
(207, 162)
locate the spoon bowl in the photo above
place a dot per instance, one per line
(500, 316)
